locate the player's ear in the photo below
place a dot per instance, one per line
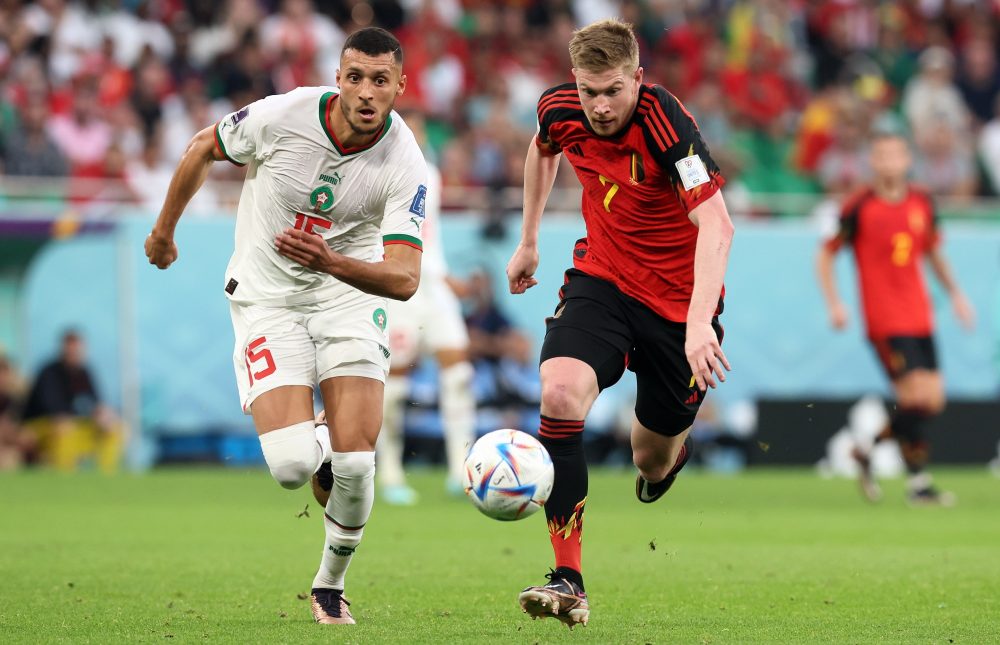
(401, 86)
(338, 77)
(637, 76)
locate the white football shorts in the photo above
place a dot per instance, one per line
(429, 321)
(307, 344)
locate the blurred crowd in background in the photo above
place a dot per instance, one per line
(786, 91)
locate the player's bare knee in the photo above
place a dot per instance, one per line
(935, 403)
(909, 398)
(653, 465)
(560, 400)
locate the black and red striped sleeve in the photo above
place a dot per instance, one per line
(673, 137)
(559, 103)
(847, 230)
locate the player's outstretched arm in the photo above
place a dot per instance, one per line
(396, 276)
(539, 175)
(188, 178)
(715, 236)
(959, 303)
(828, 286)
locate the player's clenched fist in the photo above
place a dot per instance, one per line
(161, 251)
(704, 355)
(521, 268)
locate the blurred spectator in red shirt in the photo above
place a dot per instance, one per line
(114, 81)
(687, 44)
(82, 135)
(759, 93)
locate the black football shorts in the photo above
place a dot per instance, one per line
(901, 354)
(599, 325)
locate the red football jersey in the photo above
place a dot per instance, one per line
(638, 187)
(889, 241)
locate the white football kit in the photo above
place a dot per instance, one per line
(432, 319)
(293, 325)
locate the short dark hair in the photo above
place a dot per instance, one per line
(374, 41)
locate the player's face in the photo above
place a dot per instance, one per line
(73, 351)
(369, 86)
(890, 158)
(608, 97)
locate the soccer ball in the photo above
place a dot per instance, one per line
(508, 475)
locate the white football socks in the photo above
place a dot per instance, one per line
(323, 439)
(458, 415)
(390, 439)
(292, 453)
(346, 515)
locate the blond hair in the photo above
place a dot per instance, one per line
(604, 45)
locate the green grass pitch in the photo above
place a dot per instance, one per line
(770, 556)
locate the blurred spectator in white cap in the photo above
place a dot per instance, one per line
(931, 96)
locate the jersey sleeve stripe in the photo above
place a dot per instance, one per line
(400, 238)
(544, 107)
(222, 147)
(658, 109)
(656, 126)
(570, 106)
(649, 105)
(655, 110)
(567, 88)
(557, 96)
(544, 114)
(654, 130)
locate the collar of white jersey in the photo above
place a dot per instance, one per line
(326, 103)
